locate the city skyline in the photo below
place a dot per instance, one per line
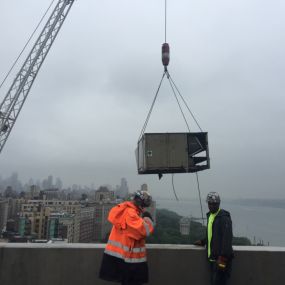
(51, 182)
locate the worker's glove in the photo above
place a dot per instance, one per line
(199, 242)
(222, 263)
(147, 215)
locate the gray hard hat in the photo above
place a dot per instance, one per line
(213, 197)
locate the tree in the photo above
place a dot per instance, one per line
(167, 230)
(241, 241)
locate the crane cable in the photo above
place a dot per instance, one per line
(28, 41)
(173, 187)
(199, 192)
(165, 20)
(174, 90)
(185, 103)
(150, 110)
(174, 93)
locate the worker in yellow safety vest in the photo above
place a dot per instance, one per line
(218, 240)
(124, 258)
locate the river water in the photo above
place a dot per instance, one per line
(256, 223)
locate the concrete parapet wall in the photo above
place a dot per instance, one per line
(78, 264)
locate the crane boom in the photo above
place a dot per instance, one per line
(19, 90)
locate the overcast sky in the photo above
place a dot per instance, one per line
(84, 114)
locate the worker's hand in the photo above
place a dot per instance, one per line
(222, 263)
(198, 242)
(147, 214)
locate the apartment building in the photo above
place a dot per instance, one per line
(3, 214)
(87, 214)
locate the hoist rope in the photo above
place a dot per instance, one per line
(28, 41)
(199, 192)
(175, 90)
(191, 113)
(150, 110)
(174, 93)
(172, 180)
(165, 20)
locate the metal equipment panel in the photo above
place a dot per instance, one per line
(156, 151)
(177, 150)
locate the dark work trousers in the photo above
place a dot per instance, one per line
(219, 277)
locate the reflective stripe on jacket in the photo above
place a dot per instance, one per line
(127, 238)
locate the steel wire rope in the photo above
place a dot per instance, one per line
(174, 93)
(199, 191)
(23, 49)
(191, 113)
(150, 110)
(173, 187)
(165, 19)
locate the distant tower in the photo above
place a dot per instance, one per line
(50, 182)
(123, 190)
(3, 214)
(34, 192)
(58, 183)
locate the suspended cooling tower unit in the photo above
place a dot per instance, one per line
(159, 153)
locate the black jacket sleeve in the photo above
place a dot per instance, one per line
(227, 236)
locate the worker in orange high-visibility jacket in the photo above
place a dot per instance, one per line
(124, 258)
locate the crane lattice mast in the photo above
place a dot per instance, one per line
(14, 100)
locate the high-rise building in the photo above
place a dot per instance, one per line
(104, 202)
(39, 212)
(87, 214)
(24, 227)
(49, 194)
(102, 226)
(34, 192)
(61, 226)
(122, 191)
(3, 214)
(104, 194)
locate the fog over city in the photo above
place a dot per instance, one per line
(85, 111)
